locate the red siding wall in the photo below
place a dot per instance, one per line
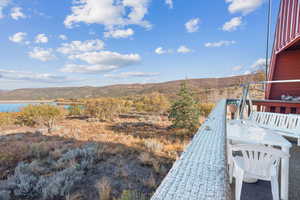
(287, 34)
(288, 67)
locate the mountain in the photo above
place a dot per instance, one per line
(200, 86)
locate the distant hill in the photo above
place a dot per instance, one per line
(206, 86)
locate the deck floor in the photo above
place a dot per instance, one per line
(262, 189)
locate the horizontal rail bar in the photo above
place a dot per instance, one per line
(276, 81)
(201, 171)
(269, 101)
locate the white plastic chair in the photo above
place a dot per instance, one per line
(259, 162)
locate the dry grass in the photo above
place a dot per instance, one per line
(150, 181)
(104, 188)
(148, 159)
(75, 196)
(153, 145)
(154, 137)
(150, 144)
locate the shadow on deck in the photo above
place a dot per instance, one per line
(262, 189)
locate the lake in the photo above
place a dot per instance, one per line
(13, 107)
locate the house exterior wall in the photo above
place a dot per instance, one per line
(288, 67)
(287, 34)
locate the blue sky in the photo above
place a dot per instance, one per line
(101, 42)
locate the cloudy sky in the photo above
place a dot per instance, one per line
(101, 42)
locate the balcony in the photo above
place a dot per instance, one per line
(201, 173)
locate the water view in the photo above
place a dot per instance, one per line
(17, 106)
(12, 107)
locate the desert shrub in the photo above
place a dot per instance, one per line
(7, 119)
(132, 195)
(45, 114)
(149, 160)
(81, 158)
(75, 196)
(106, 108)
(60, 184)
(24, 182)
(39, 150)
(150, 181)
(184, 112)
(205, 108)
(75, 110)
(104, 188)
(27, 183)
(154, 102)
(32, 180)
(153, 145)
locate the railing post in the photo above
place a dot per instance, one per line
(288, 110)
(258, 108)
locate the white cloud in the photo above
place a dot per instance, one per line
(183, 49)
(63, 37)
(108, 58)
(34, 77)
(119, 33)
(110, 13)
(247, 72)
(160, 51)
(101, 61)
(233, 24)
(18, 37)
(41, 38)
(79, 46)
(75, 68)
(131, 74)
(220, 43)
(259, 63)
(41, 54)
(169, 3)
(16, 13)
(237, 68)
(192, 25)
(243, 6)
(3, 4)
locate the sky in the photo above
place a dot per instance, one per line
(103, 42)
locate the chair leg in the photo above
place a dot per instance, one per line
(238, 185)
(230, 172)
(275, 188)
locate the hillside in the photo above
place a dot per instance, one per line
(210, 88)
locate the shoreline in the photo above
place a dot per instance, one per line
(25, 101)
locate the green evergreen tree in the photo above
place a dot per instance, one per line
(184, 112)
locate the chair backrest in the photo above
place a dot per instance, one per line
(282, 122)
(293, 122)
(260, 160)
